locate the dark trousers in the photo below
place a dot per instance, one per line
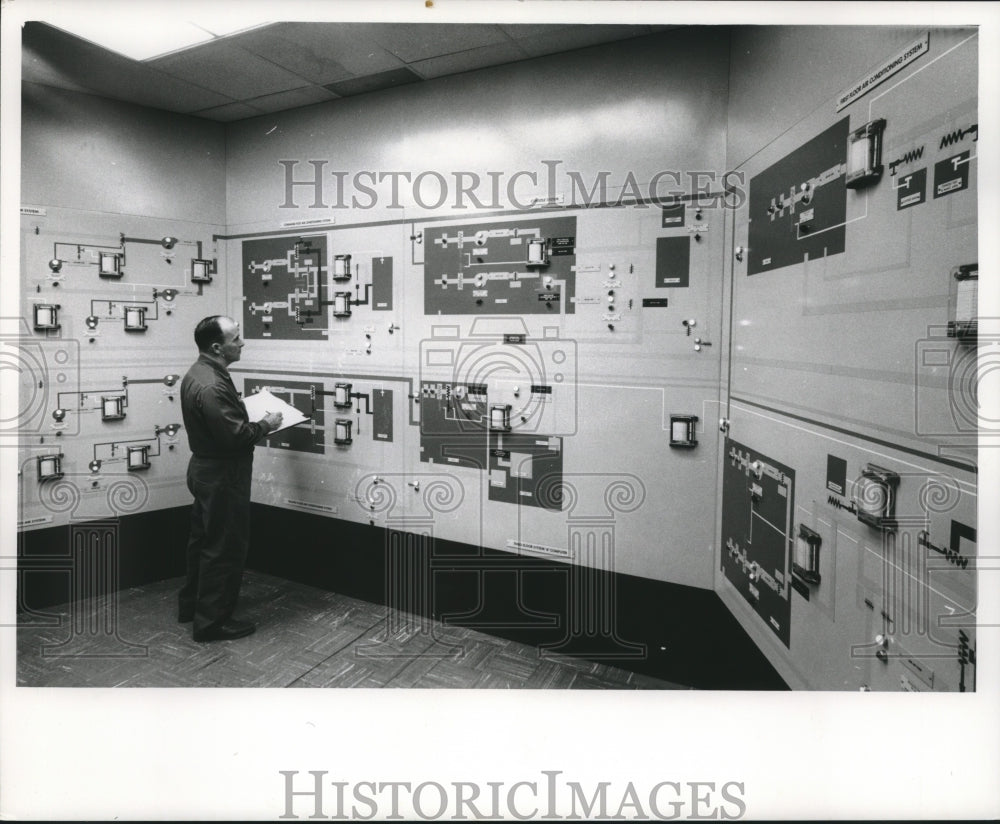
(220, 534)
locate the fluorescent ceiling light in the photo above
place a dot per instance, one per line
(150, 36)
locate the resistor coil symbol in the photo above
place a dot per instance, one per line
(958, 135)
(909, 157)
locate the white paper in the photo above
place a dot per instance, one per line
(260, 403)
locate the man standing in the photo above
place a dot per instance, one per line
(222, 440)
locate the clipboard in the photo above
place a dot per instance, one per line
(262, 402)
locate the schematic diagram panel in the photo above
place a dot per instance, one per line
(526, 469)
(285, 290)
(460, 427)
(521, 267)
(307, 436)
(798, 206)
(757, 511)
(453, 424)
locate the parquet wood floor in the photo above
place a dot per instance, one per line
(306, 637)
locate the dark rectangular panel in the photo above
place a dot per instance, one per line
(788, 225)
(382, 415)
(284, 288)
(673, 261)
(672, 216)
(836, 474)
(951, 175)
(757, 507)
(911, 189)
(452, 426)
(381, 284)
(483, 268)
(308, 436)
(526, 470)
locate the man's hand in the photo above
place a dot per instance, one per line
(272, 420)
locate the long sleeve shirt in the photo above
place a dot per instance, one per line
(214, 417)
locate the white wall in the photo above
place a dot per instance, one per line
(638, 107)
(845, 355)
(101, 170)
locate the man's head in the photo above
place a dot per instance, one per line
(219, 336)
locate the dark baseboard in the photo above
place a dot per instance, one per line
(122, 552)
(678, 633)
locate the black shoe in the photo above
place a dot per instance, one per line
(226, 631)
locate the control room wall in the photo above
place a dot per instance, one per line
(839, 359)
(81, 151)
(644, 105)
(105, 175)
(623, 111)
(781, 73)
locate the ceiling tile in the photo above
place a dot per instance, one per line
(56, 58)
(292, 64)
(373, 82)
(226, 114)
(577, 37)
(411, 42)
(469, 60)
(228, 70)
(349, 45)
(297, 47)
(294, 99)
(517, 32)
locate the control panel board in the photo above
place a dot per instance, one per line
(308, 436)
(757, 505)
(798, 206)
(525, 267)
(460, 427)
(285, 288)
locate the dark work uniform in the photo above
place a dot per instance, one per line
(222, 440)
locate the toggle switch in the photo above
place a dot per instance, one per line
(882, 653)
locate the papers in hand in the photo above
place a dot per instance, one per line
(260, 403)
